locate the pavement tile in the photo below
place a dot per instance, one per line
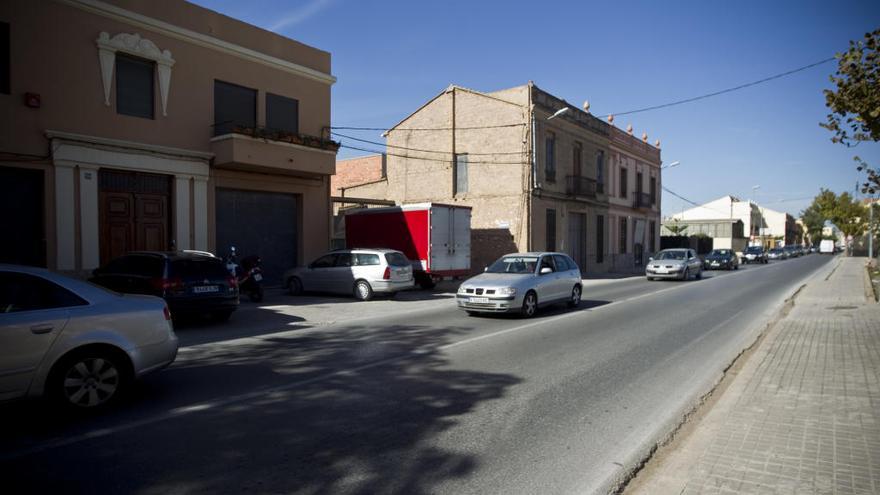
(803, 415)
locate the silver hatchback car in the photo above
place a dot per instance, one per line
(361, 272)
(74, 341)
(521, 283)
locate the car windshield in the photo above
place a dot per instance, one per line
(753, 249)
(720, 252)
(670, 255)
(514, 264)
(775, 250)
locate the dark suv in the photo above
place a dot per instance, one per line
(192, 283)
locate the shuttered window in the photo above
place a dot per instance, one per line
(234, 106)
(282, 113)
(134, 86)
(461, 174)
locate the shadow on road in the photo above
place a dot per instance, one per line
(349, 410)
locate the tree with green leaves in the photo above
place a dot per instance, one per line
(814, 222)
(843, 211)
(675, 227)
(855, 103)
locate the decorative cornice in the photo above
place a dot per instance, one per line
(130, 145)
(189, 36)
(135, 45)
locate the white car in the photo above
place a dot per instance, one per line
(361, 272)
(521, 283)
(74, 341)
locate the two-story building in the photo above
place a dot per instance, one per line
(532, 168)
(634, 200)
(141, 125)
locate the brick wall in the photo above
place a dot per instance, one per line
(354, 171)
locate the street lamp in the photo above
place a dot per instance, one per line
(560, 112)
(760, 217)
(673, 164)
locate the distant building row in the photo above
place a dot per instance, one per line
(734, 223)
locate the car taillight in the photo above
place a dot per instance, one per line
(167, 284)
(232, 281)
(167, 313)
(387, 274)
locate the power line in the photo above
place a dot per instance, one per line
(693, 203)
(426, 158)
(420, 150)
(728, 90)
(456, 128)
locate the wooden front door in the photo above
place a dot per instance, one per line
(134, 213)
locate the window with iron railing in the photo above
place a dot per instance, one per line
(234, 106)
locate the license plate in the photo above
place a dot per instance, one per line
(206, 288)
(258, 277)
(715, 263)
(480, 300)
(661, 270)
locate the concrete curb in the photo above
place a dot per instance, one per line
(687, 423)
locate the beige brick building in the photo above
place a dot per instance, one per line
(535, 181)
(152, 125)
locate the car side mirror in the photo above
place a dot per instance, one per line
(546, 270)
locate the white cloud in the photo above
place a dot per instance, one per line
(297, 16)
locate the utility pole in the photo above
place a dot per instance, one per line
(871, 228)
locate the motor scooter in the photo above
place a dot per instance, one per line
(248, 274)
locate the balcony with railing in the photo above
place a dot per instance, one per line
(642, 200)
(576, 185)
(270, 150)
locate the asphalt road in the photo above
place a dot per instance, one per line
(415, 398)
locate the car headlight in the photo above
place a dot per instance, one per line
(462, 289)
(507, 291)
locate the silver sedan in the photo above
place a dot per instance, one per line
(681, 264)
(76, 342)
(522, 282)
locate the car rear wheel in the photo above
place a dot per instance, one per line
(575, 299)
(363, 291)
(530, 304)
(90, 379)
(294, 286)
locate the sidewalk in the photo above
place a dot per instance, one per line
(803, 413)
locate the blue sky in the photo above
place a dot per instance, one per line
(391, 56)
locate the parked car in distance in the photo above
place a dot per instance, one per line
(721, 259)
(754, 254)
(192, 283)
(678, 263)
(522, 282)
(361, 272)
(78, 343)
(777, 254)
(791, 250)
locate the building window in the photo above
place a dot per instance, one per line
(576, 152)
(551, 230)
(461, 174)
(5, 46)
(639, 182)
(234, 106)
(134, 86)
(653, 190)
(600, 171)
(622, 235)
(282, 113)
(600, 238)
(623, 184)
(550, 158)
(652, 234)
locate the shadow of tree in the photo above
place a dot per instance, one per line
(352, 409)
